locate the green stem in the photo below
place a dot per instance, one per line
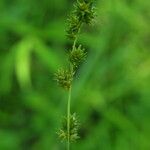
(75, 41)
(69, 97)
(68, 119)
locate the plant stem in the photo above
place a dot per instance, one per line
(74, 43)
(69, 97)
(68, 119)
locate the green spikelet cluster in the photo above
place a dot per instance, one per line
(74, 126)
(84, 13)
(64, 78)
(76, 56)
(73, 27)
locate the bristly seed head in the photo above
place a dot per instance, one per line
(64, 78)
(73, 27)
(76, 56)
(74, 127)
(84, 13)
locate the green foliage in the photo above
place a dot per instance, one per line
(111, 95)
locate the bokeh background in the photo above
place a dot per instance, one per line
(111, 92)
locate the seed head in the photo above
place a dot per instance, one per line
(73, 26)
(76, 56)
(74, 126)
(64, 78)
(85, 11)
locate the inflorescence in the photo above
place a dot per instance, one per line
(83, 13)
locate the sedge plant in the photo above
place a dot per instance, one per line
(83, 13)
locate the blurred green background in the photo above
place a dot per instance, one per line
(111, 93)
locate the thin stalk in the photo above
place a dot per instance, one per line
(75, 41)
(69, 96)
(68, 119)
